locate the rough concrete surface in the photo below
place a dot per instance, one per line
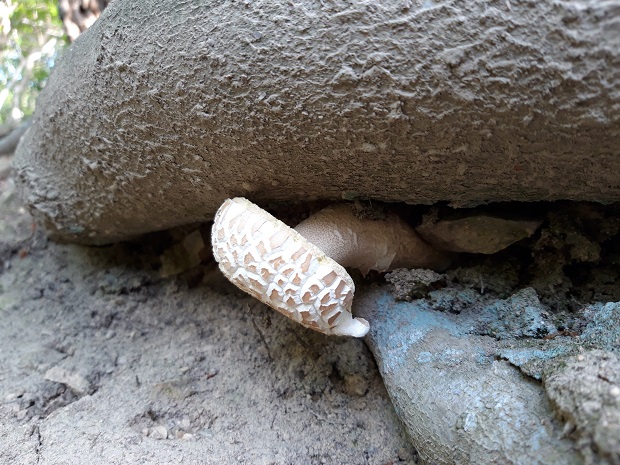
(163, 109)
(103, 362)
(586, 391)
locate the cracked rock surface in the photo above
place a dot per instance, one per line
(586, 390)
(461, 404)
(512, 357)
(469, 398)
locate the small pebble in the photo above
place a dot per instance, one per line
(75, 381)
(158, 432)
(475, 234)
(355, 385)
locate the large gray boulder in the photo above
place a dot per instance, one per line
(164, 108)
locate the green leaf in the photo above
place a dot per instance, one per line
(33, 23)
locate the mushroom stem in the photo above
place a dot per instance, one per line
(368, 244)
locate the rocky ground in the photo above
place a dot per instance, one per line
(513, 356)
(104, 362)
(141, 353)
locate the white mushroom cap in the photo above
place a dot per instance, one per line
(277, 265)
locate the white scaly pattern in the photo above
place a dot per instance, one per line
(274, 263)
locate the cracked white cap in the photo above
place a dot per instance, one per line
(277, 265)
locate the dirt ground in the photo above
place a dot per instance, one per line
(104, 362)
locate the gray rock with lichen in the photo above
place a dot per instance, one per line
(487, 367)
(460, 403)
(585, 389)
(413, 284)
(603, 331)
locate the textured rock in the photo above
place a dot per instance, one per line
(413, 284)
(521, 315)
(585, 388)
(460, 403)
(75, 381)
(476, 234)
(604, 329)
(163, 109)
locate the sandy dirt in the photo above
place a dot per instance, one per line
(104, 362)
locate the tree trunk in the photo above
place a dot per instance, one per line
(165, 108)
(79, 15)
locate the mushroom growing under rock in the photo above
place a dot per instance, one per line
(367, 244)
(296, 272)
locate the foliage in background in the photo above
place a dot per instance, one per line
(31, 37)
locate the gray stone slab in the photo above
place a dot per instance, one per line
(163, 109)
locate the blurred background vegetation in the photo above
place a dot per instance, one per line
(31, 40)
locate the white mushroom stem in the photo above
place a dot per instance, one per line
(368, 244)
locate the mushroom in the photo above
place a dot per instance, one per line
(296, 271)
(367, 244)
